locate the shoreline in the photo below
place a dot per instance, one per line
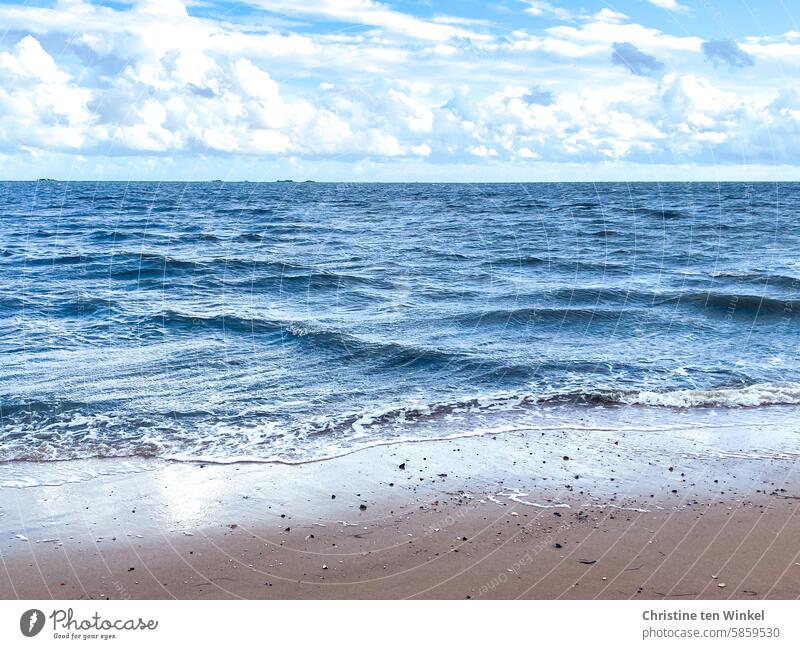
(556, 515)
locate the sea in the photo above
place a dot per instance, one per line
(297, 321)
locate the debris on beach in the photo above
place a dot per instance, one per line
(21, 537)
(721, 585)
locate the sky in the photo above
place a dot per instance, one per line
(400, 90)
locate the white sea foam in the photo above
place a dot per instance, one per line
(760, 394)
(244, 440)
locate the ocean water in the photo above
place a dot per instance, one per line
(296, 321)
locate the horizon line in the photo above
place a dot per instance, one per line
(402, 182)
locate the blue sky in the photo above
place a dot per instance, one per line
(505, 90)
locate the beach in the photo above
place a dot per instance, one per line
(399, 390)
(550, 515)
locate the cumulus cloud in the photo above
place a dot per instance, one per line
(41, 105)
(726, 51)
(636, 61)
(155, 81)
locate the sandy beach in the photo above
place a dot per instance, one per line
(551, 515)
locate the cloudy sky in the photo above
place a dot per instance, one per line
(400, 90)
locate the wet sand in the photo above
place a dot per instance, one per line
(556, 515)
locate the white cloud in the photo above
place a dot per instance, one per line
(40, 104)
(543, 8)
(368, 12)
(29, 60)
(154, 80)
(162, 7)
(671, 5)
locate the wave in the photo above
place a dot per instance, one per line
(740, 304)
(757, 394)
(393, 353)
(541, 314)
(45, 432)
(760, 394)
(759, 277)
(661, 213)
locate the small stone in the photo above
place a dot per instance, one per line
(565, 458)
(324, 566)
(402, 465)
(362, 507)
(721, 585)
(558, 546)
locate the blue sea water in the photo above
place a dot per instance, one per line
(293, 321)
